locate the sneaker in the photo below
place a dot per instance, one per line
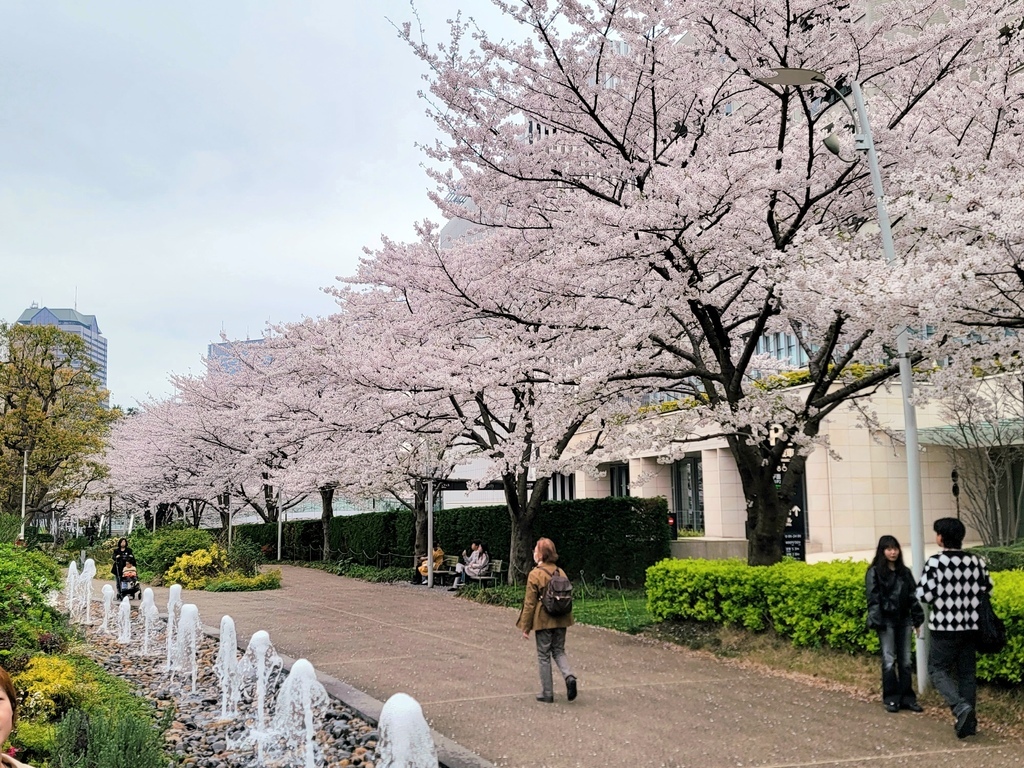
(965, 718)
(892, 706)
(545, 699)
(570, 687)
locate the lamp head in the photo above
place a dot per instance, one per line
(794, 76)
(831, 143)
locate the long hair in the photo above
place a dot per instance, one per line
(547, 550)
(880, 563)
(125, 543)
(7, 686)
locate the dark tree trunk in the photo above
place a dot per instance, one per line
(770, 494)
(419, 510)
(326, 515)
(523, 505)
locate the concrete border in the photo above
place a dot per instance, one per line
(449, 753)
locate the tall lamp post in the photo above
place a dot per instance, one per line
(24, 490)
(864, 142)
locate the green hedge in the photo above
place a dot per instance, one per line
(1002, 558)
(813, 605)
(595, 537)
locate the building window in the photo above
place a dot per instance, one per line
(562, 487)
(688, 494)
(618, 478)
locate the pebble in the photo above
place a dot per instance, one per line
(200, 737)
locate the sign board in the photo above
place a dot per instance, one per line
(794, 535)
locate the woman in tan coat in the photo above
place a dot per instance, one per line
(548, 630)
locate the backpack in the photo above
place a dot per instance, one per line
(557, 595)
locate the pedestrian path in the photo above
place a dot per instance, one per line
(641, 704)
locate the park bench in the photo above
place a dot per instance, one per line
(493, 576)
(446, 573)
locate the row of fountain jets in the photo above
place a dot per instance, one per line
(246, 682)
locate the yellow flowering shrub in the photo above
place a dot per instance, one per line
(50, 686)
(195, 569)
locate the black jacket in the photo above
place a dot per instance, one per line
(891, 598)
(120, 558)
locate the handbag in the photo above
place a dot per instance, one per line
(991, 629)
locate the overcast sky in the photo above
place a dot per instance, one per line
(182, 168)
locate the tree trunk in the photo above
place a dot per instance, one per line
(523, 506)
(326, 515)
(769, 493)
(419, 510)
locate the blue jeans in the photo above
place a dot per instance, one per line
(897, 664)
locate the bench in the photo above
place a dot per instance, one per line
(447, 573)
(492, 577)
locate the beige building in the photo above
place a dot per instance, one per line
(855, 493)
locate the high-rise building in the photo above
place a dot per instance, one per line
(73, 321)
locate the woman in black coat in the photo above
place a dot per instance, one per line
(122, 554)
(895, 613)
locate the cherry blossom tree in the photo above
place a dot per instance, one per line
(660, 193)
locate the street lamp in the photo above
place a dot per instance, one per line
(24, 489)
(864, 142)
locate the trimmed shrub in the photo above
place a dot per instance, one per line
(813, 605)
(245, 557)
(1001, 558)
(193, 571)
(234, 582)
(156, 552)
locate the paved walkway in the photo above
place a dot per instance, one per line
(641, 704)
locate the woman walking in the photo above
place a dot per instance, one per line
(548, 630)
(894, 612)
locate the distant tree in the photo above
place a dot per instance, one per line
(985, 440)
(52, 409)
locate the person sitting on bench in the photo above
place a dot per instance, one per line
(476, 564)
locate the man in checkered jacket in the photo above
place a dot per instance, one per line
(951, 584)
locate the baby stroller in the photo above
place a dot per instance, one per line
(129, 582)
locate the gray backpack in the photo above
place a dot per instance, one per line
(557, 595)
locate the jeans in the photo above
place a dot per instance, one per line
(551, 645)
(951, 665)
(897, 664)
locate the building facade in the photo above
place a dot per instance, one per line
(73, 321)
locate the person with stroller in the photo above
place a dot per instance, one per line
(123, 556)
(895, 613)
(474, 565)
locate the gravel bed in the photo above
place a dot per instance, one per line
(198, 734)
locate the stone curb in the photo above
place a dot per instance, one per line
(449, 753)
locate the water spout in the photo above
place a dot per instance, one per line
(301, 704)
(85, 590)
(226, 668)
(173, 609)
(150, 616)
(405, 740)
(108, 607)
(70, 585)
(124, 622)
(260, 667)
(186, 644)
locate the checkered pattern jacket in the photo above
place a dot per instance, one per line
(951, 584)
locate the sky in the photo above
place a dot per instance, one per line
(185, 169)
